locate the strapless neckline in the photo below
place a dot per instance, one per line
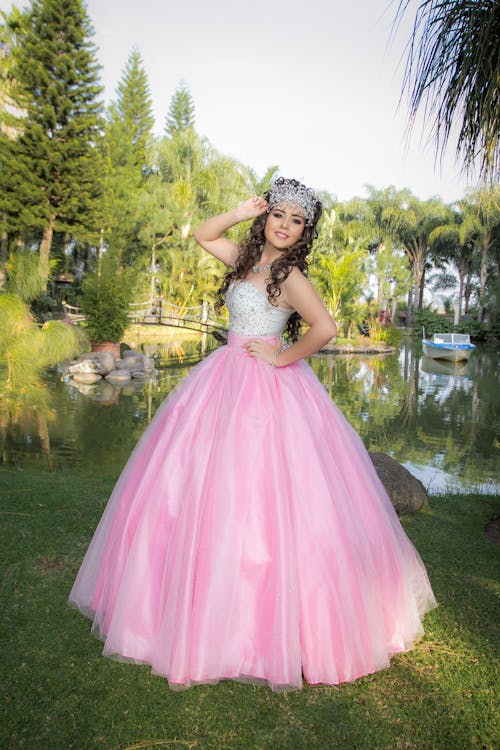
(259, 291)
(251, 313)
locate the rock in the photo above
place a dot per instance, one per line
(130, 363)
(149, 365)
(140, 375)
(407, 493)
(87, 377)
(85, 366)
(118, 376)
(131, 353)
(492, 529)
(105, 359)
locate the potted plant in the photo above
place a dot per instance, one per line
(105, 303)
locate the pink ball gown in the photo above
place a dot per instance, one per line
(248, 536)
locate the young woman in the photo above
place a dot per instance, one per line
(249, 536)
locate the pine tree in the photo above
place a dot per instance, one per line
(181, 111)
(128, 136)
(57, 182)
(11, 99)
(134, 106)
(11, 113)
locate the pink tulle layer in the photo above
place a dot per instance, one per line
(249, 537)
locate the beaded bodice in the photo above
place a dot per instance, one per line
(251, 313)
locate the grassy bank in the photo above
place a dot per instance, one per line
(59, 693)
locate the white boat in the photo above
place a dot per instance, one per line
(453, 347)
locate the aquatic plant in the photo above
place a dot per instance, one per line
(27, 349)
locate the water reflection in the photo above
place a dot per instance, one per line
(441, 421)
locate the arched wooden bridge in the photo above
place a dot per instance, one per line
(160, 312)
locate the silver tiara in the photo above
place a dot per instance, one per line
(283, 190)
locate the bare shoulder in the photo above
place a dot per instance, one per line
(299, 293)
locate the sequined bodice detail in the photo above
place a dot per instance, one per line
(251, 313)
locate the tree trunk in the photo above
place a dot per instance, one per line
(458, 306)
(45, 246)
(4, 242)
(3, 254)
(483, 275)
(153, 269)
(467, 294)
(100, 251)
(420, 285)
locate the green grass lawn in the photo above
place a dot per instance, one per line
(58, 692)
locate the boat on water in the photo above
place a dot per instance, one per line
(454, 347)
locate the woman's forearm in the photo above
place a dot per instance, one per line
(312, 341)
(213, 228)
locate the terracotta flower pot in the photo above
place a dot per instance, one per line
(107, 346)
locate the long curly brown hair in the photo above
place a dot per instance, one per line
(250, 250)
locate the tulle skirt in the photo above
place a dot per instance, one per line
(250, 538)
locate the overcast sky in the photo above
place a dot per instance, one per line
(310, 85)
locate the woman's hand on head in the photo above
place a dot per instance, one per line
(251, 208)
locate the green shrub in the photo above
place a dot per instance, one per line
(475, 329)
(105, 304)
(431, 322)
(383, 332)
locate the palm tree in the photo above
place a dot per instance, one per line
(338, 271)
(410, 222)
(453, 72)
(487, 205)
(454, 242)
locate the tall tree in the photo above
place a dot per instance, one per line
(453, 72)
(410, 222)
(135, 108)
(56, 185)
(363, 219)
(454, 241)
(11, 115)
(127, 142)
(180, 115)
(339, 271)
(487, 206)
(11, 97)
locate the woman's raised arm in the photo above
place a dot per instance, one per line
(209, 234)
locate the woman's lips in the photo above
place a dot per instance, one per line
(281, 235)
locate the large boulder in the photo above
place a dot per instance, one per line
(407, 493)
(140, 374)
(118, 376)
(147, 364)
(106, 360)
(134, 362)
(87, 377)
(86, 366)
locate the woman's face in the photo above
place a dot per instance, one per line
(284, 226)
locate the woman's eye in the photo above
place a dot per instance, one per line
(297, 221)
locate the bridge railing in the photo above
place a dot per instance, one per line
(159, 311)
(73, 313)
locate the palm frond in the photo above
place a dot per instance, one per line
(453, 73)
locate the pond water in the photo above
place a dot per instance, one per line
(441, 421)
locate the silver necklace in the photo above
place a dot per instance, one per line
(257, 269)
